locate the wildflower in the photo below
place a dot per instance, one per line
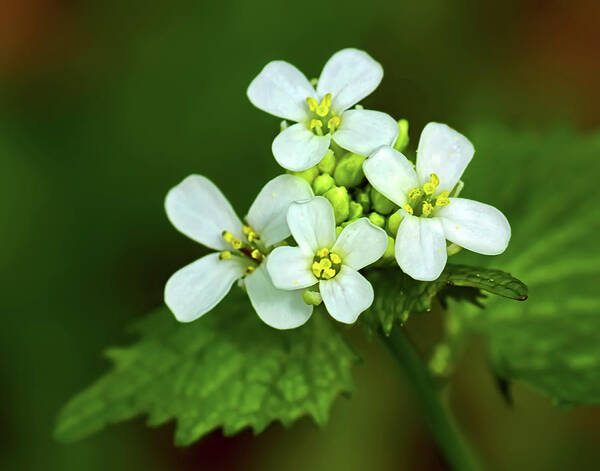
(323, 114)
(431, 215)
(199, 210)
(329, 260)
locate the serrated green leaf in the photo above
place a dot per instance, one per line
(398, 295)
(225, 370)
(547, 186)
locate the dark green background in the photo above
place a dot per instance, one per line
(105, 106)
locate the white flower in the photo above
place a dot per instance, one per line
(430, 215)
(199, 210)
(331, 261)
(349, 76)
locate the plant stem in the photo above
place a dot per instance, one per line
(437, 414)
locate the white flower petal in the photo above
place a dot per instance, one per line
(268, 213)
(475, 226)
(289, 268)
(281, 90)
(198, 209)
(391, 174)
(278, 308)
(364, 131)
(346, 295)
(421, 247)
(198, 287)
(312, 223)
(445, 152)
(360, 244)
(349, 75)
(296, 148)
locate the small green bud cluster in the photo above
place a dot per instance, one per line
(339, 177)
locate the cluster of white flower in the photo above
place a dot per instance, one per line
(343, 163)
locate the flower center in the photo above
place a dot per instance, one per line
(326, 264)
(323, 120)
(248, 250)
(421, 202)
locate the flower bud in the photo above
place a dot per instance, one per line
(390, 251)
(312, 298)
(402, 140)
(340, 200)
(338, 230)
(309, 174)
(348, 171)
(362, 197)
(393, 223)
(377, 219)
(356, 210)
(327, 163)
(323, 183)
(380, 203)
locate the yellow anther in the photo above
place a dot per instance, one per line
(312, 103)
(427, 209)
(256, 255)
(328, 273)
(228, 236)
(325, 263)
(326, 100)
(225, 255)
(236, 243)
(323, 108)
(315, 123)
(333, 123)
(430, 187)
(323, 252)
(408, 208)
(415, 193)
(316, 269)
(335, 258)
(253, 236)
(442, 199)
(250, 270)
(246, 229)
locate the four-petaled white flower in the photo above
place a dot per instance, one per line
(431, 215)
(331, 261)
(349, 76)
(199, 210)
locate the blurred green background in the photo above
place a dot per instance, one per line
(106, 105)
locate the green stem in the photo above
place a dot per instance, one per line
(437, 414)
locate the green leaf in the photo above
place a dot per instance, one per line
(226, 369)
(398, 295)
(547, 186)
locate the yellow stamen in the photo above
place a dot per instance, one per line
(253, 236)
(328, 273)
(335, 258)
(246, 229)
(323, 108)
(408, 208)
(316, 269)
(315, 123)
(236, 243)
(442, 199)
(435, 179)
(256, 255)
(427, 208)
(323, 252)
(225, 255)
(333, 123)
(327, 100)
(250, 270)
(228, 236)
(312, 104)
(325, 263)
(415, 193)
(430, 187)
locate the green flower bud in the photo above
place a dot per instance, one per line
(323, 183)
(377, 219)
(393, 223)
(327, 163)
(309, 174)
(338, 230)
(402, 140)
(348, 171)
(356, 210)
(340, 200)
(380, 203)
(312, 298)
(362, 197)
(453, 249)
